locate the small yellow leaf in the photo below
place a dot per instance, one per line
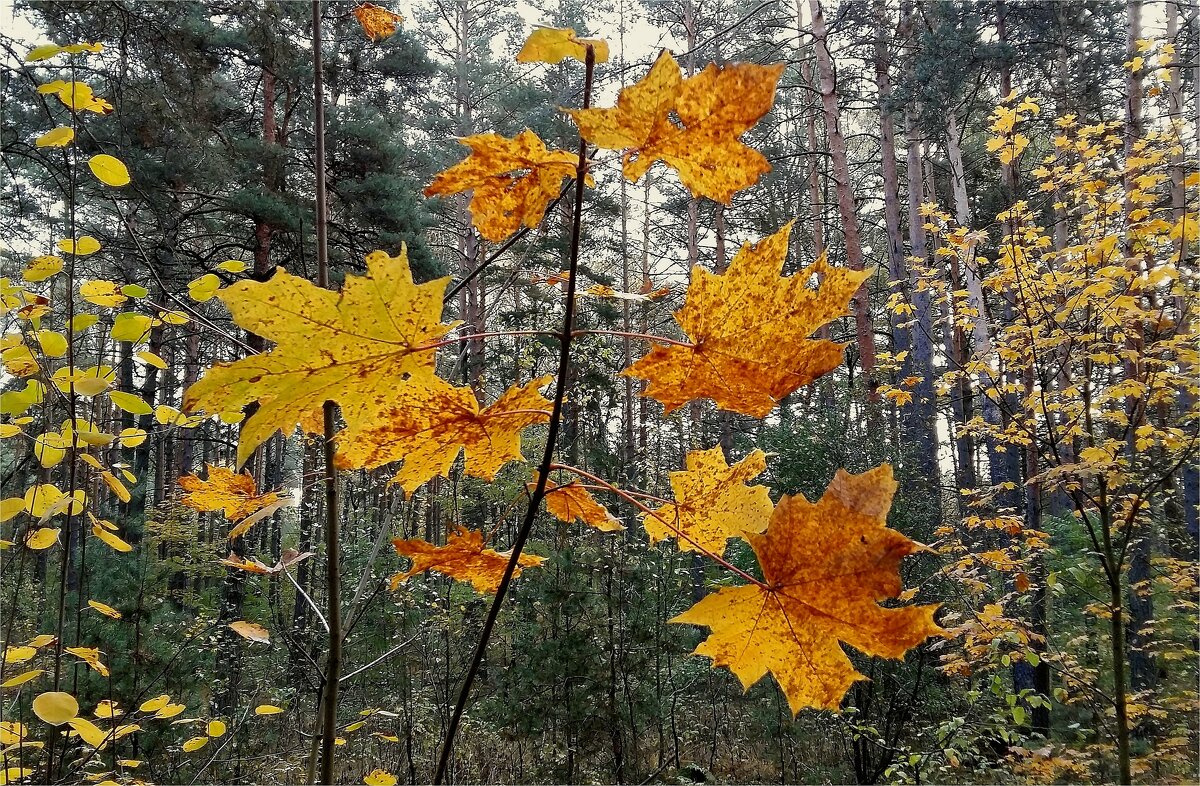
(110, 539)
(43, 52)
(89, 732)
(105, 609)
(22, 678)
(151, 359)
(42, 268)
(19, 654)
(194, 744)
(216, 728)
(251, 631)
(553, 45)
(81, 322)
(132, 437)
(52, 343)
(267, 709)
(130, 403)
(10, 507)
(57, 137)
(130, 326)
(108, 710)
(81, 248)
(102, 293)
(204, 288)
(109, 170)
(155, 704)
(55, 707)
(232, 266)
(170, 711)
(42, 538)
(380, 778)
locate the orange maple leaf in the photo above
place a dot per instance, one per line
(512, 181)
(235, 495)
(378, 23)
(743, 325)
(463, 558)
(712, 502)
(714, 108)
(428, 425)
(825, 567)
(572, 501)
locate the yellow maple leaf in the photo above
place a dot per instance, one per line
(745, 353)
(553, 45)
(235, 495)
(428, 425)
(378, 23)
(463, 558)
(572, 501)
(512, 181)
(714, 108)
(712, 502)
(825, 567)
(361, 347)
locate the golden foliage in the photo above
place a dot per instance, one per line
(463, 558)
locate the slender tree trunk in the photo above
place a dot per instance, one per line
(827, 86)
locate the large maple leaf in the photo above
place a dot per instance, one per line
(427, 427)
(463, 558)
(743, 327)
(712, 502)
(825, 567)
(714, 108)
(365, 348)
(512, 181)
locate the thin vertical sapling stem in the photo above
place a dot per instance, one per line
(539, 490)
(333, 667)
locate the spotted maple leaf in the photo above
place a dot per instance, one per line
(825, 568)
(744, 328)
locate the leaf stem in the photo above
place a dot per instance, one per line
(539, 492)
(628, 334)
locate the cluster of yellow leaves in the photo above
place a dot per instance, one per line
(743, 325)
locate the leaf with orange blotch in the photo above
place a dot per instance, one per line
(512, 181)
(553, 45)
(251, 631)
(572, 501)
(428, 426)
(378, 23)
(745, 326)
(463, 558)
(714, 108)
(235, 495)
(825, 567)
(361, 348)
(712, 503)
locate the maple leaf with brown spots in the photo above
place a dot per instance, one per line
(713, 503)
(745, 329)
(428, 425)
(363, 348)
(511, 180)
(825, 568)
(234, 494)
(713, 108)
(463, 558)
(571, 501)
